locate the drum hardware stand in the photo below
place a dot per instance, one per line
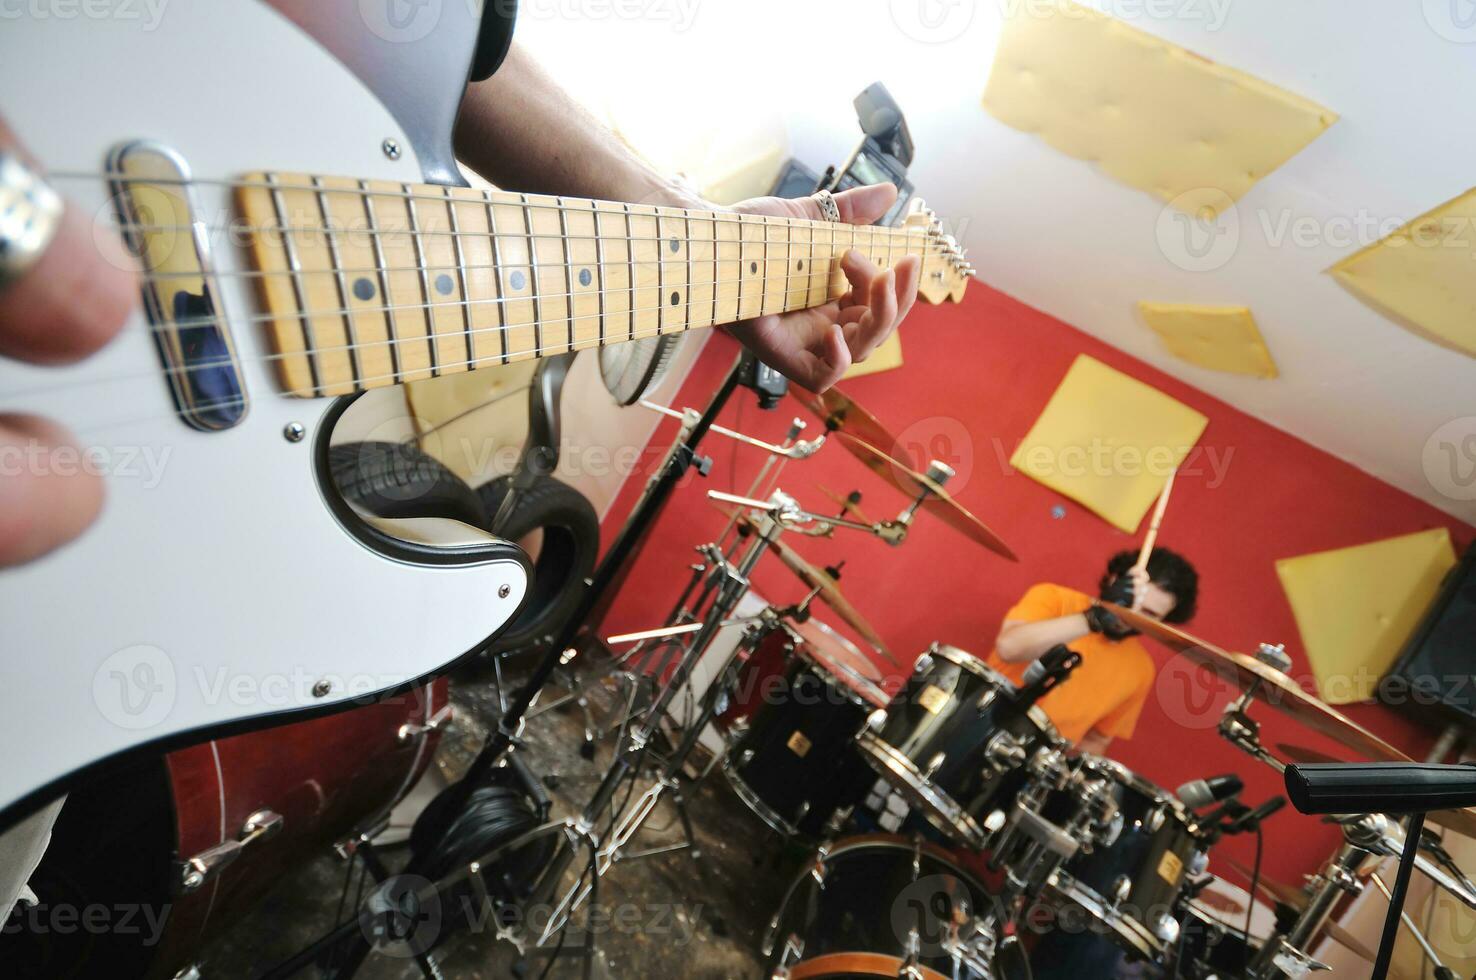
(732, 582)
(791, 448)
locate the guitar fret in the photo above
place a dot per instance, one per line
(430, 340)
(533, 279)
(568, 269)
(497, 273)
(343, 295)
(289, 249)
(599, 265)
(586, 311)
(630, 257)
(515, 283)
(466, 309)
(389, 312)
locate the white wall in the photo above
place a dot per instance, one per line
(700, 84)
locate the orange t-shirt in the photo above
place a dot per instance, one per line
(1106, 691)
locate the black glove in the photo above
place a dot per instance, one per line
(1119, 591)
(1099, 620)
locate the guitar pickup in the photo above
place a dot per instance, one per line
(156, 206)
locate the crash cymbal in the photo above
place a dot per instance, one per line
(1272, 889)
(840, 414)
(939, 503)
(829, 589)
(1275, 688)
(848, 509)
(1461, 821)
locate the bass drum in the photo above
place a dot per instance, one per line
(1130, 879)
(954, 742)
(793, 760)
(887, 906)
(171, 839)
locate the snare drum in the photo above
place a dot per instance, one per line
(1130, 878)
(794, 762)
(1212, 943)
(954, 741)
(875, 906)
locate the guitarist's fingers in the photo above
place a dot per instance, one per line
(73, 298)
(47, 494)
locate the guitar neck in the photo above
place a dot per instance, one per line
(369, 283)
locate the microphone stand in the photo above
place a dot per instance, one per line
(1396, 899)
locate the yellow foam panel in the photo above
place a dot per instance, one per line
(1149, 113)
(1221, 338)
(888, 355)
(1108, 441)
(1356, 607)
(1423, 276)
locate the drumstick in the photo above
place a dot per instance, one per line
(1163, 499)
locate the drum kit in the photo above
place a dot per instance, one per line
(1017, 822)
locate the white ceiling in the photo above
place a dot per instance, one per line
(696, 77)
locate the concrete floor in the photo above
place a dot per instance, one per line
(665, 916)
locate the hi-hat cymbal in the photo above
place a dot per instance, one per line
(829, 589)
(939, 503)
(1461, 821)
(1272, 889)
(841, 414)
(1272, 687)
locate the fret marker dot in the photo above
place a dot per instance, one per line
(363, 289)
(753, 267)
(675, 298)
(517, 279)
(800, 265)
(443, 284)
(584, 277)
(676, 246)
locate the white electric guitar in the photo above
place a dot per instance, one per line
(226, 584)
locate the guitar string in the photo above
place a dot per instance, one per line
(470, 365)
(512, 199)
(487, 360)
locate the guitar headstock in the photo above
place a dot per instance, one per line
(945, 269)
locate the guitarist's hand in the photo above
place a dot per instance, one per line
(63, 307)
(814, 347)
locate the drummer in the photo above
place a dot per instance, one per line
(1104, 696)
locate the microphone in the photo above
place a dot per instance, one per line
(1251, 819)
(1380, 787)
(1052, 668)
(1199, 793)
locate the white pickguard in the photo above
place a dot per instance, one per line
(226, 591)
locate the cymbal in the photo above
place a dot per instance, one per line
(1461, 821)
(1346, 939)
(848, 508)
(1272, 687)
(829, 589)
(939, 502)
(841, 414)
(1272, 889)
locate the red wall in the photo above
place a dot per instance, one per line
(977, 375)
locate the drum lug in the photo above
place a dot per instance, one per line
(934, 764)
(1156, 819)
(410, 731)
(1167, 929)
(876, 719)
(1005, 752)
(196, 871)
(924, 664)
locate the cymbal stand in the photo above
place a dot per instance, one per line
(775, 454)
(733, 583)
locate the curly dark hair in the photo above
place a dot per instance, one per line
(1168, 570)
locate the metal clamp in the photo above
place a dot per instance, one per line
(196, 871)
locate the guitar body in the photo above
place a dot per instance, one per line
(224, 586)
